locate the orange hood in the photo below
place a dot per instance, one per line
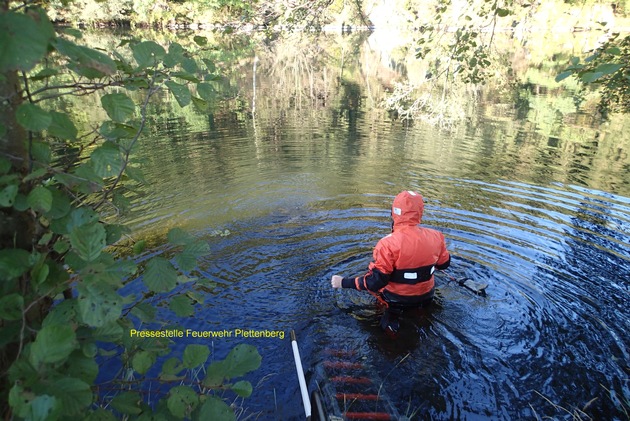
(407, 209)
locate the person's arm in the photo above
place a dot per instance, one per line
(377, 276)
(373, 280)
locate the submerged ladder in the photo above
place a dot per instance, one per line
(351, 390)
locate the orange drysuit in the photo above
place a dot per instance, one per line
(401, 272)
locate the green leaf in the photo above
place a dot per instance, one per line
(242, 388)
(119, 107)
(39, 274)
(182, 400)
(197, 297)
(74, 262)
(73, 32)
(32, 117)
(200, 104)
(609, 68)
(98, 304)
(40, 151)
(172, 367)
(75, 395)
(62, 313)
(145, 312)
(127, 403)
(8, 195)
(121, 201)
(115, 131)
(45, 74)
(88, 240)
(201, 41)
(186, 262)
(86, 61)
(107, 160)
(206, 91)
(503, 12)
(81, 367)
(241, 360)
(148, 53)
(13, 263)
(135, 83)
(111, 332)
(615, 51)
(189, 65)
(53, 344)
(61, 246)
(100, 415)
(45, 239)
(195, 355)
(9, 179)
(215, 409)
(38, 173)
(142, 361)
(44, 408)
(187, 259)
(563, 75)
(23, 41)
(183, 279)
(185, 76)
(181, 306)
(115, 232)
(5, 164)
(11, 307)
(160, 275)
(139, 246)
(77, 218)
(135, 173)
(179, 237)
(175, 55)
(215, 374)
(210, 66)
(40, 199)
(19, 400)
(590, 77)
(181, 93)
(591, 58)
(89, 182)
(62, 127)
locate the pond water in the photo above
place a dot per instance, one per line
(291, 182)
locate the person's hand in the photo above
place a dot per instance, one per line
(335, 282)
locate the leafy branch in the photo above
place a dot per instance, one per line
(606, 70)
(60, 300)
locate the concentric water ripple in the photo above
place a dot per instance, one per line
(552, 330)
(303, 194)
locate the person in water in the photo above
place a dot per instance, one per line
(401, 272)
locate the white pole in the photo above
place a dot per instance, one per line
(300, 373)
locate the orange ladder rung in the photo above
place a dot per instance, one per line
(349, 379)
(367, 416)
(342, 364)
(357, 396)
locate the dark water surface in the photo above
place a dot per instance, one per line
(300, 189)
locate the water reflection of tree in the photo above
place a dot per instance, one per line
(305, 70)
